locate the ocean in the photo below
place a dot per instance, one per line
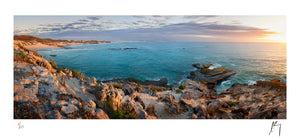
(173, 60)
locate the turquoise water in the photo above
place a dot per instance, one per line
(173, 60)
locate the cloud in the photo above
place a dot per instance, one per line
(150, 28)
(204, 32)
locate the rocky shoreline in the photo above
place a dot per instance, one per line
(44, 91)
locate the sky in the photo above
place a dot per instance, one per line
(183, 28)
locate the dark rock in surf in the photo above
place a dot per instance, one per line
(210, 76)
(162, 82)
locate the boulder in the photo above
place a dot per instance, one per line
(173, 108)
(24, 93)
(91, 104)
(169, 98)
(76, 102)
(100, 114)
(62, 103)
(69, 109)
(137, 98)
(90, 110)
(128, 90)
(43, 63)
(151, 110)
(201, 112)
(109, 96)
(135, 107)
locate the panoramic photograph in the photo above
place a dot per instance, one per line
(149, 67)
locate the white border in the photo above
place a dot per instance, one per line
(147, 129)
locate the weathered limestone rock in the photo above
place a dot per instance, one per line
(132, 106)
(137, 98)
(62, 103)
(210, 76)
(69, 109)
(162, 82)
(90, 110)
(151, 110)
(128, 90)
(108, 94)
(201, 112)
(76, 102)
(202, 65)
(25, 93)
(100, 114)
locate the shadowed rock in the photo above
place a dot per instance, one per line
(162, 82)
(210, 76)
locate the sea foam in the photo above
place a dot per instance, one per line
(250, 82)
(215, 66)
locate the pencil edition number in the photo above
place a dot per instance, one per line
(20, 125)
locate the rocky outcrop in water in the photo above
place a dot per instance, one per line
(210, 76)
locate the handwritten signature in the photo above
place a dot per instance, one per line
(20, 125)
(275, 124)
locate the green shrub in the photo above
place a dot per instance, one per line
(121, 114)
(78, 74)
(231, 103)
(169, 87)
(21, 57)
(158, 89)
(136, 88)
(117, 114)
(182, 87)
(177, 90)
(75, 73)
(118, 85)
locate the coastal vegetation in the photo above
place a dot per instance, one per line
(118, 85)
(42, 90)
(78, 74)
(182, 87)
(231, 103)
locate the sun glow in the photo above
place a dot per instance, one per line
(280, 38)
(277, 38)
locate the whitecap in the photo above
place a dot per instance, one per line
(250, 82)
(224, 83)
(216, 65)
(262, 79)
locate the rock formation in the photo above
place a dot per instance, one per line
(43, 91)
(210, 76)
